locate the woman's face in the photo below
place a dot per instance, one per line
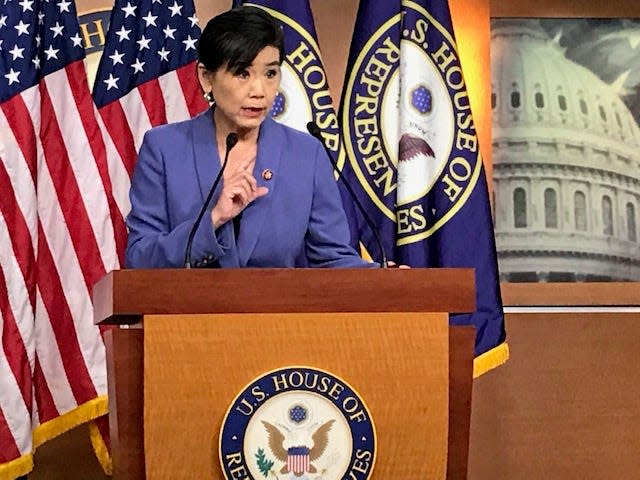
(243, 99)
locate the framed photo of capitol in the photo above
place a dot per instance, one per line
(565, 104)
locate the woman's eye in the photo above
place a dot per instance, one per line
(272, 73)
(243, 74)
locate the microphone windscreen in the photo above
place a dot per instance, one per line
(314, 130)
(232, 139)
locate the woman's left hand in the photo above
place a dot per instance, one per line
(392, 264)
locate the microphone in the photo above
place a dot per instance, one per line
(232, 139)
(316, 132)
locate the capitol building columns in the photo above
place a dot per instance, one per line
(566, 153)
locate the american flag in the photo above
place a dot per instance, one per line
(146, 77)
(64, 178)
(56, 231)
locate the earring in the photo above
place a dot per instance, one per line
(208, 96)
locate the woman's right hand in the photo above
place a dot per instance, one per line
(239, 189)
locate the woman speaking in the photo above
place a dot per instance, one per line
(277, 204)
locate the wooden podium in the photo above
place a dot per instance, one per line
(325, 300)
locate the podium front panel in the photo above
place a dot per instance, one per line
(195, 365)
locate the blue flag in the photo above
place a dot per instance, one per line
(413, 151)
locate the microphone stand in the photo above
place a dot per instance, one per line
(317, 133)
(232, 139)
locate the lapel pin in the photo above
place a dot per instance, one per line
(267, 174)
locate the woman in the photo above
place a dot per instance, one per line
(278, 189)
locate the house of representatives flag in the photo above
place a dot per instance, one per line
(146, 77)
(56, 228)
(413, 150)
(304, 94)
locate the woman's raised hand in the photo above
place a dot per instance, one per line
(239, 189)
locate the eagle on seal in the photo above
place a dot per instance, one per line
(320, 439)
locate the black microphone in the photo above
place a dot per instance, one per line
(316, 132)
(232, 139)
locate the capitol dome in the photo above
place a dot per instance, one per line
(566, 164)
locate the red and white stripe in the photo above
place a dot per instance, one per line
(298, 464)
(173, 97)
(57, 230)
(76, 245)
(18, 275)
(64, 176)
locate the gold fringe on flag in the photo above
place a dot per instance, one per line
(491, 359)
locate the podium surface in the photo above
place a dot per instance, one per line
(128, 297)
(124, 296)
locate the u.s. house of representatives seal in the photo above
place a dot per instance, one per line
(298, 423)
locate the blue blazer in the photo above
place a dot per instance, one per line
(300, 222)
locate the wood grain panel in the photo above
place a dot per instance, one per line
(565, 406)
(130, 293)
(565, 8)
(397, 362)
(127, 403)
(571, 294)
(125, 363)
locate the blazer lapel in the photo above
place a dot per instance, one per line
(270, 144)
(205, 152)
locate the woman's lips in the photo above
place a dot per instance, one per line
(253, 111)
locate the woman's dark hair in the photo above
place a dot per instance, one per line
(234, 38)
